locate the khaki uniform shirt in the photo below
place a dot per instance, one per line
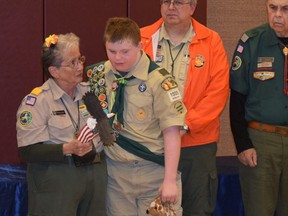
(150, 106)
(42, 117)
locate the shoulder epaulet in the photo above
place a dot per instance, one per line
(253, 32)
(163, 72)
(36, 91)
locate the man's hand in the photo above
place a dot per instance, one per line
(248, 157)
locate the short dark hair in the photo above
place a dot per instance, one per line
(121, 28)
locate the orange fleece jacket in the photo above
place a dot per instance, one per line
(207, 84)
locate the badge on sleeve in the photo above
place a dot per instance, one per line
(30, 100)
(168, 84)
(237, 62)
(25, 118)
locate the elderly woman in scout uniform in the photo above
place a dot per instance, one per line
(149, 113)
(65, 176)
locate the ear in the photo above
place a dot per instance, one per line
(140, 45)
(53, 71)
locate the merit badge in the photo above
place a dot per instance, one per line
(89, 73)
(102, 97)
(30, 100)
(237, 62)
(101, 82)
(142, 87)
(95, 69)
(263, 75)
(199, 61)
(25, 118)
(168, 84)
(100, 67)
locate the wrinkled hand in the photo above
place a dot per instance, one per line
(76, 147)
(248, 157)
(169, 192)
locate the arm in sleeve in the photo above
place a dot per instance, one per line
(238, 122)
(216, 93)
(40, 152)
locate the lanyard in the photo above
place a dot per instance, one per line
(171, 56)
(75, 124)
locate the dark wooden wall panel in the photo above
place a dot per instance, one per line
(21, 24)
(148, 11)
(87, 19)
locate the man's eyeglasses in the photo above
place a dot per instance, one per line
(176, 3)
(75, 63)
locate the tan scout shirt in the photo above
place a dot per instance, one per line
(150, 107)
(42, 117)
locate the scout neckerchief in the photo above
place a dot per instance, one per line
(118, 106)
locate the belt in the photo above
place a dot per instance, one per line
(282, 130)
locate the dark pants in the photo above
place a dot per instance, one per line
(265, 187)
(199, 179)
(56, 189)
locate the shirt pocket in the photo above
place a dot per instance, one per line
(60, 128)
(139, 108)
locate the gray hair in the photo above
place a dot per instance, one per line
(52, 55)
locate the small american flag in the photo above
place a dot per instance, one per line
(240, 49)
(86, 134)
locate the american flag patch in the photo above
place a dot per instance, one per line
(30, 100)
(240, 48)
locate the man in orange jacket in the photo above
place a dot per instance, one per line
(196, 57)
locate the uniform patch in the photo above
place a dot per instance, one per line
(244, 37)
(240, 48)
(58, 112)
(25, 118)
(264, 75)
(199, 61)
(36, 91)
(142, 87)
(83, 110)
(237, 62)
(174, 94)
(159, 58)
(179, 107)
(168, 84)
(140, 114)
(30, 100)
(89, 73)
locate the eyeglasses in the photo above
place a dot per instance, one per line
(75, 63)
(176, 3)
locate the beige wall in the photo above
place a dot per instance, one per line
(230, 19)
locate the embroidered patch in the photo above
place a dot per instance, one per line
(240, 48)
(25, 118)
(263, 75)
(168, 84)
(141, 115)
(36, 91)
(179, 107)
(237, 62)
(30, 100)
(101, 67)
(244, 37)
(199, 61)
(159, 58)
(89, 73)
(142, 87)
(174, 95)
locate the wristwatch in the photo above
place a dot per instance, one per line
(186, 128)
